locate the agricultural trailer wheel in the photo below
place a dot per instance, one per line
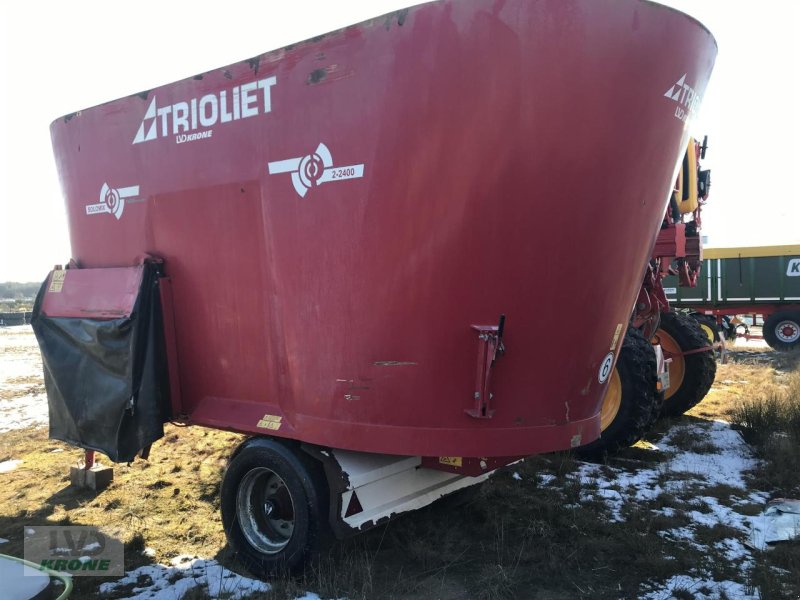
(631, 398)
(274, 506)
(690, 375)
(709, 327)
(782, 330)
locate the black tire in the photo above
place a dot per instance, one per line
(636, 368)
(261, 540)
(699, 368)
(782, 331)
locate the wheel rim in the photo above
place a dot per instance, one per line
(708, 331)
(265, 510)
(787, 331)
(676, 368)
(612, 401)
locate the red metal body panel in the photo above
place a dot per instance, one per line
(763, 308)
(471, 166)
(106, 294)
(171, 347)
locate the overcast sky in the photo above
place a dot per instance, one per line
(59, 57)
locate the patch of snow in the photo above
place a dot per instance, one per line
(183, 560)
(779, 522)
(92, 546)
(685, 475)
(20, 352)
(9, 465)
(743, 343)
(684, 535)
(21, 381)
(3, 541)
(184, 574)
(734, 550)
(149, 552)
(545, 478)
(759, 497)
(517, 476)
(23, 411)
(726, 466)
(702, 589)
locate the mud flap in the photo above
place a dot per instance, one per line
(101, 336)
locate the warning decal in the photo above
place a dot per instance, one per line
(57, 281)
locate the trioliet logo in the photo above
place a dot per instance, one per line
(191, 120)
(687, 98)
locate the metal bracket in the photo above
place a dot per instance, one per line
(490, 345)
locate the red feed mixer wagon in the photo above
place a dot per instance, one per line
(355, 248)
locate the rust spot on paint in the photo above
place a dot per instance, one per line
(198, 77)
(143, 95)
(316, 76)
(394, 363)
(254, 64)
(399, 15)
(227, 74)
(69, 117)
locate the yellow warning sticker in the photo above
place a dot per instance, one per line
(453, 461)
(272, 422)
(57, 281)
(615, 339)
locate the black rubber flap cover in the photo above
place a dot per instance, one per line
(101, 336)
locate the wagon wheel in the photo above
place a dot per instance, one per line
(274, 506)
(631, 400)
(709, 327)
(782, 330)
(690, 375)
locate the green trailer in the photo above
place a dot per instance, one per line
(761, 280)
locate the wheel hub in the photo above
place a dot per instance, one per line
(265, 510)
(787, 332)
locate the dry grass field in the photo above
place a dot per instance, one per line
(672, 517)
